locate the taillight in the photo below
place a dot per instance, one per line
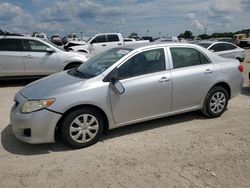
(240, 67)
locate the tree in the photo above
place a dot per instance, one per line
(204, 36)
(186, 35)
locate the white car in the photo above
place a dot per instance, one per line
(33, 57)
(224, 49)
(102, 42)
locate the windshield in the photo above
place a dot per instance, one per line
(205, 45)
(54, 45)
(98, 64)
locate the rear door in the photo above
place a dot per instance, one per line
(37, 61)
(192, 75)
(11, 57)
(113, 41)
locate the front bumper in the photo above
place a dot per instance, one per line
(36, 127)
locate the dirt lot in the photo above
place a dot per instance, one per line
(187, 150)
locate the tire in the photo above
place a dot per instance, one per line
(82, 128)
(215, 102)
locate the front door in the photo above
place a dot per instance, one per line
(147, 86)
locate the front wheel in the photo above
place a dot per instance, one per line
(82, 128)
(216, 102)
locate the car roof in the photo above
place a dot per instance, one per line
(161, 44)
(18, 37)
(213, 42)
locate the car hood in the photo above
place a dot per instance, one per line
(71, 54)
(51, 86)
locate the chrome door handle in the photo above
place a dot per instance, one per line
(28, 56)
(208, 71)
(164, 79)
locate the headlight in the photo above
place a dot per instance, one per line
(34, 105)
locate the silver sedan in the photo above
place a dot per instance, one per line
(224, 49)
(124, 86)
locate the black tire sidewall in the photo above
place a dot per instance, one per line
(208, 98)
(68, 120)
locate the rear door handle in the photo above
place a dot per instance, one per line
(119, 44)
(164, 79)
(208, 71)
(28, 56)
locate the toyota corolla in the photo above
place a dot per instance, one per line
(124, 86)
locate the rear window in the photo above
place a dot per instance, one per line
(10, 45)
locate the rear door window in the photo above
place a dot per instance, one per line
(218, 47)
(185, 57)
(113, 38)
(10, 45)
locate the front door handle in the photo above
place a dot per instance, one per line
(104, 45)
(208, 71)
(164, 79)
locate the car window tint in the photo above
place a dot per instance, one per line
(113, 38)
(218, 47)
(143, 63)
(99, 39)
(10, 45)
(34, 46)
(230, 46)
(185, 57)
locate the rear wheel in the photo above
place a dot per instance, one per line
(216, 102)
(82, 128)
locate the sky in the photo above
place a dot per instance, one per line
(153, 17)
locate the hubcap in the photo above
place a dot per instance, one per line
(217, 102)
(84, 128)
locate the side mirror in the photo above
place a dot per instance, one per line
(49, 50)
(115, 82)
(117, 85)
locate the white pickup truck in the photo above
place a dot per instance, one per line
(102, 42)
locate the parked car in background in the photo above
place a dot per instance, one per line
(167, 39)
(122, 86)
(150, 39)
(57, 40)
(102, 42)
(224, 49)
(33, 57)
(72, 37)
(41, 36)
(70, 44)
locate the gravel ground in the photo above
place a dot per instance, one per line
(186, 150)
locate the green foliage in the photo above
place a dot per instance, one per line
(186, 35)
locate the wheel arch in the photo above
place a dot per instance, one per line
(59, 123)
(225, 86)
